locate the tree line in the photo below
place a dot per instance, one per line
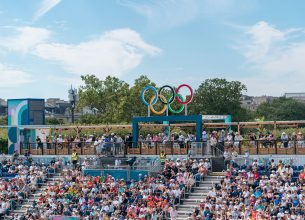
(117, 102)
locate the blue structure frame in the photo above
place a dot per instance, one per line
(172, 118)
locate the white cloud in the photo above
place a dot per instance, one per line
(275, 57)
(11, 77)
(262, 38)
(67, 81)
(26, 38)
(45, 6)
(164, 14)
(114, 52)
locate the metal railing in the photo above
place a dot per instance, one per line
(276, 146)
(66, 148)
(156, 147)
(254, 147)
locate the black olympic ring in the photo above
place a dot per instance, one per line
(172, 97)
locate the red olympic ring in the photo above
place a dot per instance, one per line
(190, 97)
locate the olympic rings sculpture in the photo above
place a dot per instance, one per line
(166, 102)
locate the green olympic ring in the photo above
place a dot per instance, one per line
(180, 109)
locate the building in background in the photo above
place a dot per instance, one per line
(61, 110)
(300, 96)
(252, 102)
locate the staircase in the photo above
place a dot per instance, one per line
(193, 199)
(21, 209)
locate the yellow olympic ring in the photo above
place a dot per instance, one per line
(152, 108)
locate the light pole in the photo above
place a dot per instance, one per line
(73, 98)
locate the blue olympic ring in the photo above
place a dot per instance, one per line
(143, 95)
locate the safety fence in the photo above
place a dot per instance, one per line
(66, 148)
(208, 148)
(139, 168)
(262, 147)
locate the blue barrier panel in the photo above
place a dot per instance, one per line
(117, 174)
(93, 172)
(134, 174)
(64, 218)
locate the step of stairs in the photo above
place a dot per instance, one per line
(198, 194)
(217, 174)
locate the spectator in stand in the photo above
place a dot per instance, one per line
(213, 140)
(245, 194)
(18, 180)
(238, 138)
(221, 140)
(285, 139)
(229, 139)
(300, 139)
(89, 197)
(227, 157)
(205, 136)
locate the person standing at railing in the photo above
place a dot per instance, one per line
(227, 157)
(39, 143)
(213, 142)
(97, 145)
(128, 140)
(221, 140)
(230, 139)
(49, 142)
(205, 138)
(300, 139)
(59, 141)
(181, 140)
(149, 141)
(237, 140)
(285, 139)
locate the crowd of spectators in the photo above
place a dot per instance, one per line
(104, 197)
(19, 177)
(275, 191)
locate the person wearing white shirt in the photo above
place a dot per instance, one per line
(289, 170)
(207, 164)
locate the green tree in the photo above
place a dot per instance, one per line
(90, 119)
(219, 96)
(134, 105)
(53, 121)
(282, 109)
(109, 96)
(3, 120)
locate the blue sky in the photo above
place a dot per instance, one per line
(45, 45)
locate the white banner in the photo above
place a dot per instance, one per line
(214, 117)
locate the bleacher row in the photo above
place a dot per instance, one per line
(265, 170)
